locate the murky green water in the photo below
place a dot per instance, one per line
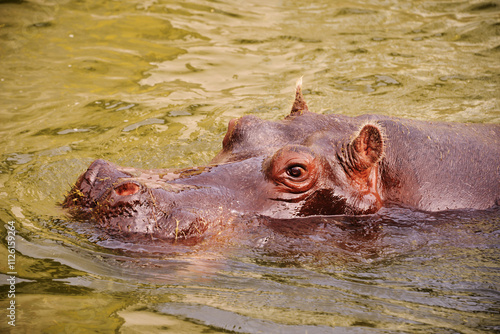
(153, 84)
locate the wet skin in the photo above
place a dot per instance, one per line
(305, 165)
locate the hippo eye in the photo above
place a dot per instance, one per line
(127, 189)
(295, 171)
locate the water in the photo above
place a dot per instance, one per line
(153, 84)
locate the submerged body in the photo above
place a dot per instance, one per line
(307, 164)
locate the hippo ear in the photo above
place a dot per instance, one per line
(299, 105)
(367, 148)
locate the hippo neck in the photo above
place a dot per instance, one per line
(440, 166)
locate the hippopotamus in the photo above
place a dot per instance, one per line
(307, 164)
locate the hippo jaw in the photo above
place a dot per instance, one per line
(289, 171)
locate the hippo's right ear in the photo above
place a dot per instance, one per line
(299, 104)
(367, 148)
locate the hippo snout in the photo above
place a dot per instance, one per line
(128, 200)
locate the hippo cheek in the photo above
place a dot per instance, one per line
(327, 202)
(324, 202)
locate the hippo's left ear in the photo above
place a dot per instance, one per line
(367, 148)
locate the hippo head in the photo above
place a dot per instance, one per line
(307, 164)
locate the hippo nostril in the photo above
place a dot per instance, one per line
(127, 189)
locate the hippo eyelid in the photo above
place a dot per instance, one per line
(127, 188)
